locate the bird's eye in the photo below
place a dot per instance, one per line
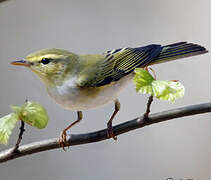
(45, 60)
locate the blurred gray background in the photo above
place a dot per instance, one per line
(180, 149)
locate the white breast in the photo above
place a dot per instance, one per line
(72, 97)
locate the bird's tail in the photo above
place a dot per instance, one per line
(177, 51)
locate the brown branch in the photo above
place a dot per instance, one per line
(149, 103)
(92, 137)
(15, 149)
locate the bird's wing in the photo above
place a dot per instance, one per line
(119, 63)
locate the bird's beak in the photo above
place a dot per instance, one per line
(21, 63)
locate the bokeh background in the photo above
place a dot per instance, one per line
(180, 149)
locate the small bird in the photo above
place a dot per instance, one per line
(82, 82)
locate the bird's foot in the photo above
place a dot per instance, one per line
(110, 132)
(63, 140)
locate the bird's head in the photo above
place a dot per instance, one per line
(51, 65)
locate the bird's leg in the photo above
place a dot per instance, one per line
(109, 124)
(63, 136)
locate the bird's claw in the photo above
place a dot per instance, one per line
(110, 132)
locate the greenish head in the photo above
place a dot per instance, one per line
(51, 65)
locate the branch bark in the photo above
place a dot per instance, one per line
(77, 139)
(15, 149)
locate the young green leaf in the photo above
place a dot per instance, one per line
(32, 113)
(164, 90)
(143, 81)
(7, 124)
(168, 90)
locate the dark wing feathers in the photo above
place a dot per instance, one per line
(120, 62)
(179, 50)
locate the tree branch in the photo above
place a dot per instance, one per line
(149, 103)
(76, 139)
(15, 149)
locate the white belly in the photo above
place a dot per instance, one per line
(72, 97)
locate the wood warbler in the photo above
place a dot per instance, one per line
(82, 82)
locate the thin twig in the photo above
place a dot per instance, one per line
(150, 100)
(149, 103)
(153, 72)
(101, 135)
(15, 149)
